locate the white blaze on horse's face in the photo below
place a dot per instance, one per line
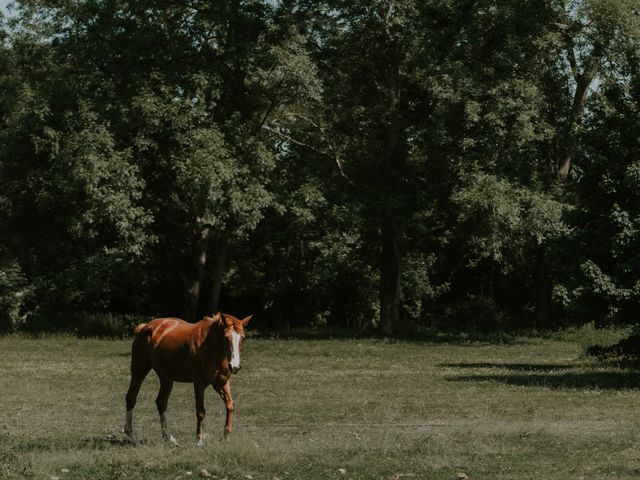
(235, 351)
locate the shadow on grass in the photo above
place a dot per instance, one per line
(100, 443)
(524, 367)
(21, 445)
(569, 380)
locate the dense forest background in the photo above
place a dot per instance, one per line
(389, 164)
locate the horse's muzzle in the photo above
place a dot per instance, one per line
(235, 370)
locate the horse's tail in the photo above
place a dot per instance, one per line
(143, 328)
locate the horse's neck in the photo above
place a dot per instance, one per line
(213, 340)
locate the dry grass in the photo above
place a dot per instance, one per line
(306, 409)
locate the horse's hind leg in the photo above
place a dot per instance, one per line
(139, 369)
(162, 400)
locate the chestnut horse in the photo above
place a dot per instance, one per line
(203, 353)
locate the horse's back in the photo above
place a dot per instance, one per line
(169, 345)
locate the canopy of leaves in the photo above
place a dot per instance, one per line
(287, 150)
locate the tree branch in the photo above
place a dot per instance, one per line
(289, 138)
(330, 145)
(571, 55)
(332, 155)
(387, 17)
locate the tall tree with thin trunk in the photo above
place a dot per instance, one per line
(380, 63)
(591, 35)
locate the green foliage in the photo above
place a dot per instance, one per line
(503, 223)
(75, 220)
(107, 325)
(15, 293)
(74, 216)
(329, 163)
(419, 288)
(609, 229)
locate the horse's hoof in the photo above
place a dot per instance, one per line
(172, 441)
(200, 444)
(129, 437)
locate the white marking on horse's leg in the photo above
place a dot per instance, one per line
(235, 350)
(166, 433)
(128, 424)
(200, 440)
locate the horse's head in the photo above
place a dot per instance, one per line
(234, 334)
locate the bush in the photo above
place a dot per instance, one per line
(106, 325)
(627, 349)
(15, 291)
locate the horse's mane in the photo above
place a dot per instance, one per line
(215, 321)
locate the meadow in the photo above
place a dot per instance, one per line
(525, 408)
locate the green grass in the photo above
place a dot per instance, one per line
(525, 409)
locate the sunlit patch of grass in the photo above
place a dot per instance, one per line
(341, 408)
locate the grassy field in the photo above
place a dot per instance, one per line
(527, 409)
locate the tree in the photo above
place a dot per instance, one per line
(503, 225)
(528, 86)
(74, 221)
(381, 67)
(591, 35)
(502, 132)
(605, 287)
(187, 87)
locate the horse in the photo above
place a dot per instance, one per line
(203, 353)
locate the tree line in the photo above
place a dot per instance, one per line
(363, 164)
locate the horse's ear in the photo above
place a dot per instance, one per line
(244, 321)
(228, 321)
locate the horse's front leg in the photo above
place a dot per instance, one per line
(225, 393)
(200, 412)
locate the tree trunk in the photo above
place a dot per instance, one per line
(192, 299)
(567, 141)
(390, 270)
(218, 259)
(390, 261)
(542, 287)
